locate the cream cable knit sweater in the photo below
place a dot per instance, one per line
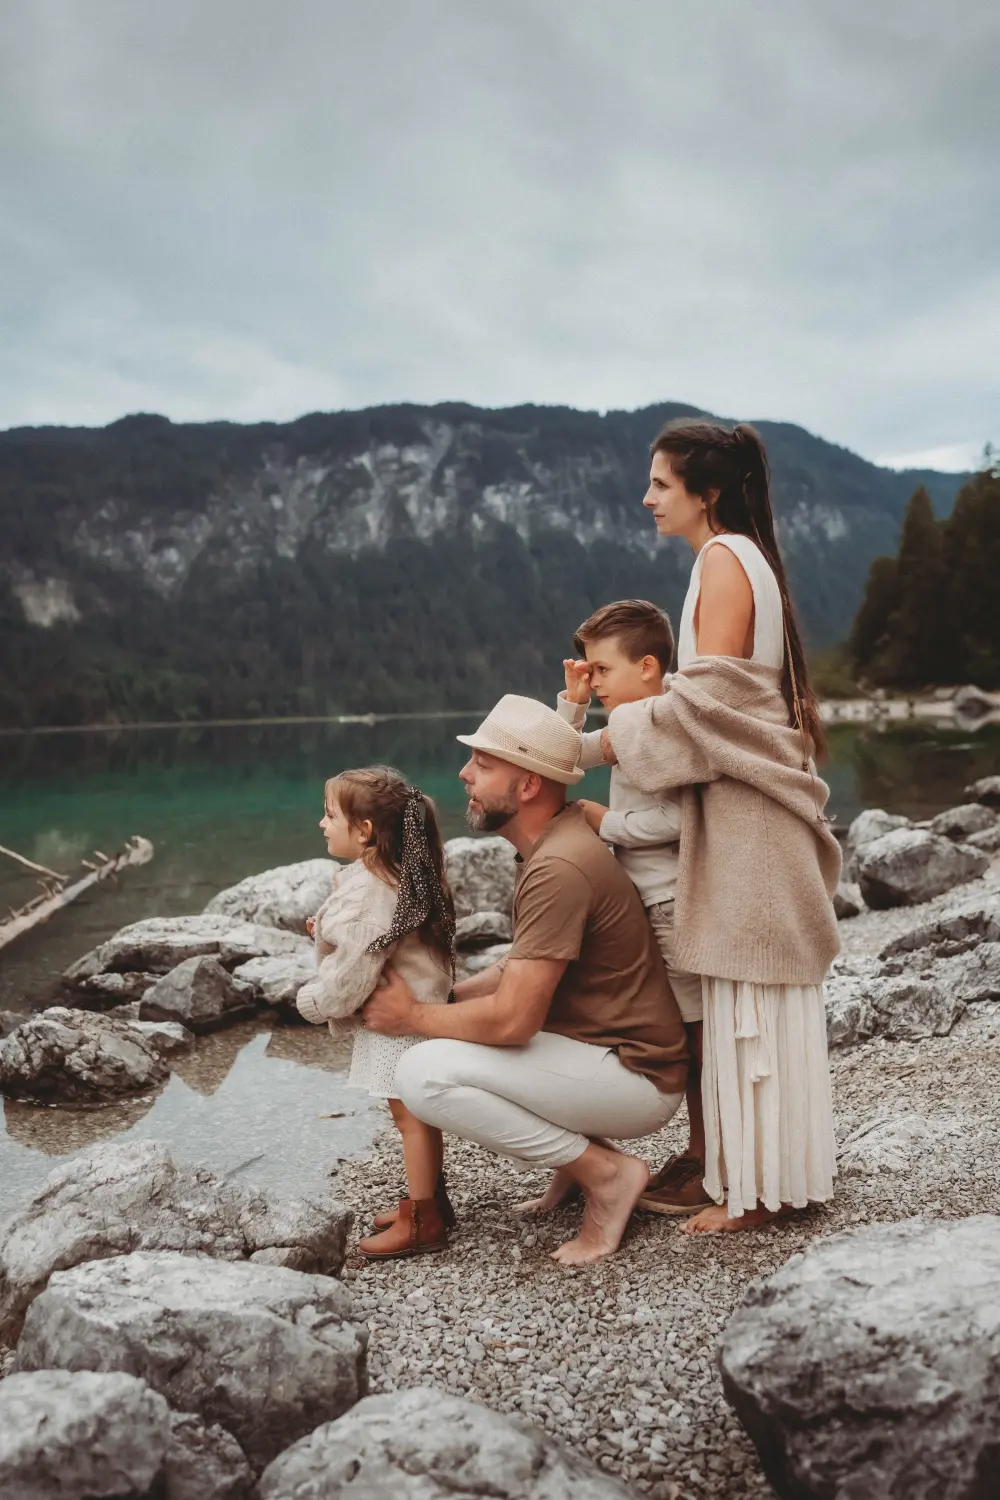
(758, 865)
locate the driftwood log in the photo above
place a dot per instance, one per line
(59, 890)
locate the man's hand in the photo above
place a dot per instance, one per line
(389, 1010)
(593, 812)
(577, 680)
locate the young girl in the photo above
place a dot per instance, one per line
(391, 903)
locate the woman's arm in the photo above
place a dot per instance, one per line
(724, 617)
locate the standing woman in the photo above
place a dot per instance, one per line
(739, 731)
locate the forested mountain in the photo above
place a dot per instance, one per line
(930, 616)
(395, 558)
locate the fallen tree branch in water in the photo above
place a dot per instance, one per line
(57, 891)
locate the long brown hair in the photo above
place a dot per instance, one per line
(707, 456)
(405, 844)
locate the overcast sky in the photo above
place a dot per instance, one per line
(256, 208)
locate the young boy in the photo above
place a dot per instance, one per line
(626, 648)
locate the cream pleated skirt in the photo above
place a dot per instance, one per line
(766, 1095)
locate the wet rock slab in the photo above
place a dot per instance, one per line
(422, 1444)
(77, 1056)
(134, 1196)
(870, 1364)
(265, 1353)
(200, 994)
(158, 944)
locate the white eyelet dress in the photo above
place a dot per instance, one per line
(765, 1072)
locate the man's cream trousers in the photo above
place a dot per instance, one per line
(542, 1103)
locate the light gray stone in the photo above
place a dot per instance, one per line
(283, 897)
(203, 1462)
(971, 976)
(482, 929)
(158, 944)
(972, 703)
(910, 1009)
(79, 1436)
(475, 963)
(986, 789)
(847, 901)
(886, 1143)
(870, 1365)
(911, 865)
(265, 1353)
(959, 822)
(425, 1444)
(112, 989)
(80, 1057)
(277, 981)
(133, 1196)
(481, 874)
(865, 829)
(199, 993)
(988, 840)
(849, 1016)
(972, 919)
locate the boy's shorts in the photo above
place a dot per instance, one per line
(686, 987)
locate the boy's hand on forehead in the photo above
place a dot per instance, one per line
(577, 680)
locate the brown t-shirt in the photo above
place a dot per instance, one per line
(573, 900)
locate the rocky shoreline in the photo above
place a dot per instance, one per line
(126, 1249)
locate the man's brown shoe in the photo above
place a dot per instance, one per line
(418, 1229)
(676, 1188)
(388, 1216)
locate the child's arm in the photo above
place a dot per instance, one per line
(571, 705)
(640, 827)
(346, 976)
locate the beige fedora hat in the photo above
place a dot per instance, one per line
(529, 734)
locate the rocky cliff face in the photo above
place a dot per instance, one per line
(440, 541)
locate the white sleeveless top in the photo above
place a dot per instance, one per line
(768, 620)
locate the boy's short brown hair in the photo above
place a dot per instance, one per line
(642, 629)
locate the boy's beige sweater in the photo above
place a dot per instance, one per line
(758, 864)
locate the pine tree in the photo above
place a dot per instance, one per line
(971, 553)
(919, 652)
(870, 633)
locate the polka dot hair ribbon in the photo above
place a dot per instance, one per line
(419, 896)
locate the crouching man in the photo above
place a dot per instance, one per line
(575, 1037)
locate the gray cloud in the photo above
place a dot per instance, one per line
(245, 209)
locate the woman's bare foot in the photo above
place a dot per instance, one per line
(562, 1189)
(716, 1220)
(612, 1185)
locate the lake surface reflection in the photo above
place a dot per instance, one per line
(221, 803)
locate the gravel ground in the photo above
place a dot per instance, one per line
(619, 1358)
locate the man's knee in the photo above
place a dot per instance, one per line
(419, 1072)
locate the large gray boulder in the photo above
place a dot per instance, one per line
(200, 994)
(967, 922)
(483, 929)
(481, 874)
(911, 865)
(958, 822)
(988, 839)
(133, 1196)
(277, 981)
(986, 790)
(158, 944)
(868, 826)
(424, 1444)
(77, 1056)
(846, 901)
(79, 1436)
(283, 897)
(265, 1353)
(870, 1365)
(203, 1462)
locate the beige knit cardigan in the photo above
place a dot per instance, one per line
(758, 863)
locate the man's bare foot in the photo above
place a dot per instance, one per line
(562, 1189)
(613, 1185)
(716, 1220)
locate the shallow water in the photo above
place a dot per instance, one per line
(221, 803)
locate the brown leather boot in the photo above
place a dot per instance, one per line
(418, 1229)
(383, 1220)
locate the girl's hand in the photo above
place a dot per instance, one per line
(593, 812)
(577, 680)
(311, 926)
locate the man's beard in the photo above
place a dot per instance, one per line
(490, 819)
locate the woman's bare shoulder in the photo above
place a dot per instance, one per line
(725, 604)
